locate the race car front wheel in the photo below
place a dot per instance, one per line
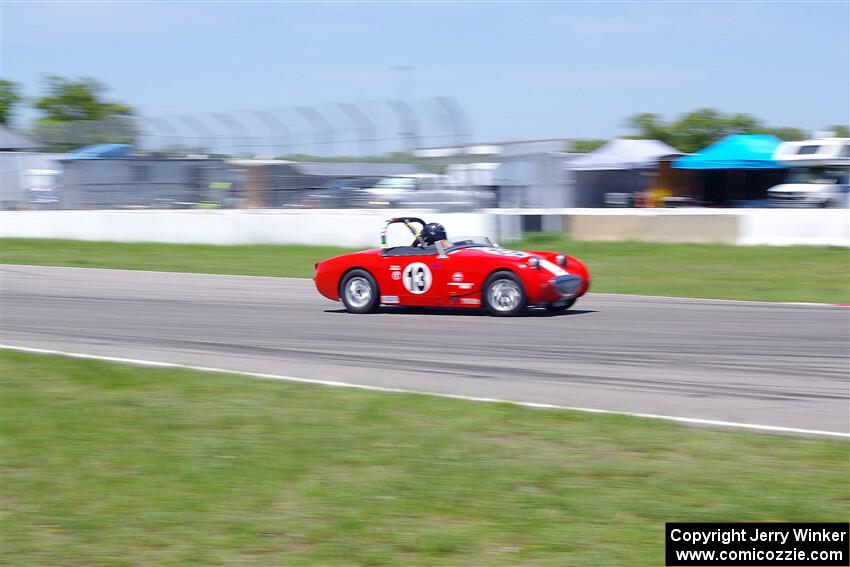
(359, 292)
(504, 295)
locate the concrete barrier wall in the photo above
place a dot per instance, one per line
(703, 229)
(829, 227)
(359, 228)
(777, 227)
(254, 226)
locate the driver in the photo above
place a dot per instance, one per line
(434, 232)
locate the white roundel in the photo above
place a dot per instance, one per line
(416, 278)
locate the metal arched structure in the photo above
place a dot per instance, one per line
(363, 126)
(277, 130)
(408, 123)
(237, 130)
(322, 130)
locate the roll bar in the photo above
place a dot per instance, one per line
(408, 222)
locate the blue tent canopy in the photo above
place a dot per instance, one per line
(740, 151)
(102, 151)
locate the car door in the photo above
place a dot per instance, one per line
(449, 195)
(442, 280)
(412, 279)
(458, 278)
(439, 195)
(416, 195)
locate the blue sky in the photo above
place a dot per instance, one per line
(529, 71)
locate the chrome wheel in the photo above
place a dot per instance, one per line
(358, 292)
(504, 295)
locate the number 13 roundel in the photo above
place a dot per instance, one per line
(416, 278)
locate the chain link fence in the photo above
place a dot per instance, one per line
(353, 130)
(246, 158)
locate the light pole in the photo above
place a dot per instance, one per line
(399, 71)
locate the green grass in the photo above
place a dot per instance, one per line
(252, 260)
(112, 465)
(761, 273)
(686, 270)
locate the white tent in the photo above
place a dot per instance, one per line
(620, 166)
(623, 154)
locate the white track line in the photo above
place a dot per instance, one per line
(339, 384)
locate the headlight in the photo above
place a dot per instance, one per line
(561, 260)
(533, 262)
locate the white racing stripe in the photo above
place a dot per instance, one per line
(553, 269)
(339, 384)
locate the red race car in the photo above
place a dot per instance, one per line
(434, 271)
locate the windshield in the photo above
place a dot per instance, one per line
(817, 175)
(349, 183)
(396, 183)
(469, 241)
(832, 177)
(801, 176)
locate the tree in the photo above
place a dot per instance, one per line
(586, 146)
(76, 114)
(650, 126)
(9, 98)
(840, 131)
(699, 128)
(786, 133)
(68, 100)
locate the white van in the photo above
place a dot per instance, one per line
(819, 177)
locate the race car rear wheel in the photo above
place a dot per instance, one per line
(504, 295)
(359, 292)
(560, 306)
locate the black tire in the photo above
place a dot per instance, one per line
(558, 308)
(359, 292)
(511, 300)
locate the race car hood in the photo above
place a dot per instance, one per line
(522, 257)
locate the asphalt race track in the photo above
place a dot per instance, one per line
(770, 364)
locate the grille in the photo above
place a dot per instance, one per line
(567, 285)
